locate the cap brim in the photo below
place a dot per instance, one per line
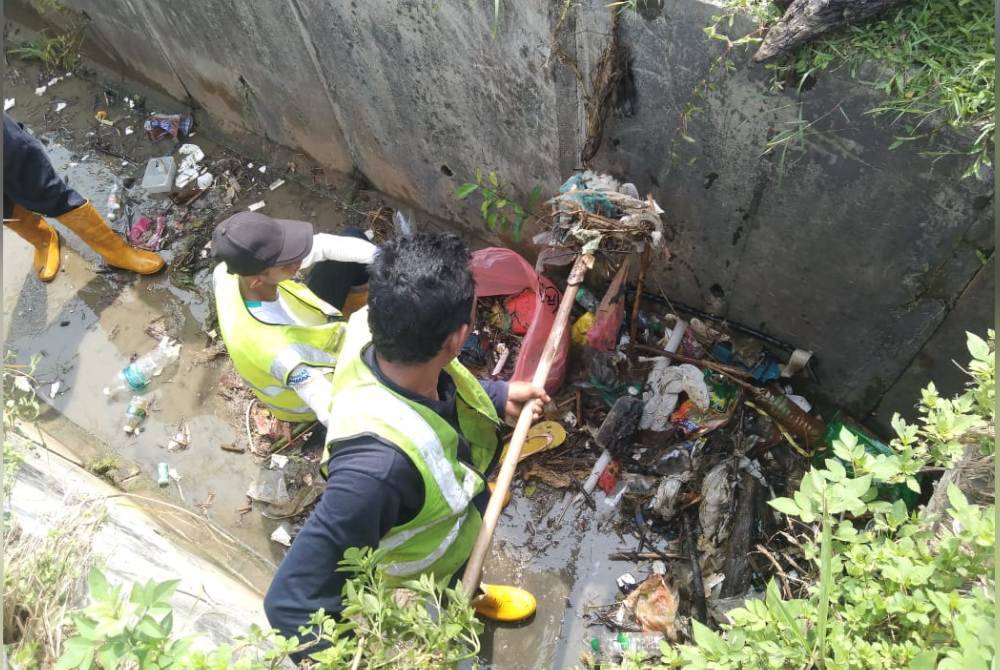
(298, 241)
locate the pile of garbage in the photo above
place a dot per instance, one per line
(687, 423)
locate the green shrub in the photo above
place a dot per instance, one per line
(895, 589)
(427, 625)
(936, 69)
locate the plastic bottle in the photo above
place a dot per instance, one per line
(404, 222)
(114, 201)
(586, 299)
(613, 646)
(137, 376)
(673, 342)
(135, 414)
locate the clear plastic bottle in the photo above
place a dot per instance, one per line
(137, 375)
(613, 646)
(135, 414)
(114, 201)
(404, 222)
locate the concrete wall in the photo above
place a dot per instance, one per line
(854, 251)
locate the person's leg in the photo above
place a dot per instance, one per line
(340, 283)
(40, 189)
(91, 227)
(40, 235)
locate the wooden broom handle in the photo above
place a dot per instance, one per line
(474, 567)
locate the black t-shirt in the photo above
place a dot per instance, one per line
(372, 487)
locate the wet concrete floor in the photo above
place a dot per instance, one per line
(87, 324)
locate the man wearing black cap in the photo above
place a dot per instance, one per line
(284, 336)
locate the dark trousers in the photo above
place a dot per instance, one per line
(29, 180)
(333, 280)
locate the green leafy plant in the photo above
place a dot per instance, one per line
(499, 209)
(424, 625)
(20, 404)
(891, 588)
(43, 576)
(55, 53)
(19, 383)
(895, 589)
(118, 630)
(933, 62)
(497, 18)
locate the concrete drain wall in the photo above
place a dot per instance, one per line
(876, 260)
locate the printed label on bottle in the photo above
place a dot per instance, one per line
(134, 378)
(136, 410)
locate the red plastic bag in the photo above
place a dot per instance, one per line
(499, 271)
(521, 308)
(603, 334)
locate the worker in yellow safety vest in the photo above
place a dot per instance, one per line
(284, 337)
(411, 435)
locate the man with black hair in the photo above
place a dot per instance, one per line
(410, 436)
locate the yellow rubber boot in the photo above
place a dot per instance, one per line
(355, 301)
(504, 603)
(42, 237)
(86, 222)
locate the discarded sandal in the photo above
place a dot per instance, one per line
(543, 436)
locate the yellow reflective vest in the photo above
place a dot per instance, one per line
(265, 354)
(439, 539)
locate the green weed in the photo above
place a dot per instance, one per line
(894, 589)
(55, 53)
(934, 65)
(499, 209)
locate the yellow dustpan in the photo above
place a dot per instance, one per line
(542, 437)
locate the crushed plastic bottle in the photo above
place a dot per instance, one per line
(404, 222)
(159, 126)
(138, 374)
(613, 646)
(135, 413)
(114, 200)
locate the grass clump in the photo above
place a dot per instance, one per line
(43, 577)
(60, 52)
(937, 70)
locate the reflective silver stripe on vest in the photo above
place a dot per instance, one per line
(296, 354)
(392, 541)
(408, 421)
(275, 391)
(301, 409)
(405, 568)
(269, 391)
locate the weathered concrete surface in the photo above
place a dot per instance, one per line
(945, 350)
(855, 251)
(130, 545)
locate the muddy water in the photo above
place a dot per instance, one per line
(565, 566)
(89, 322)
